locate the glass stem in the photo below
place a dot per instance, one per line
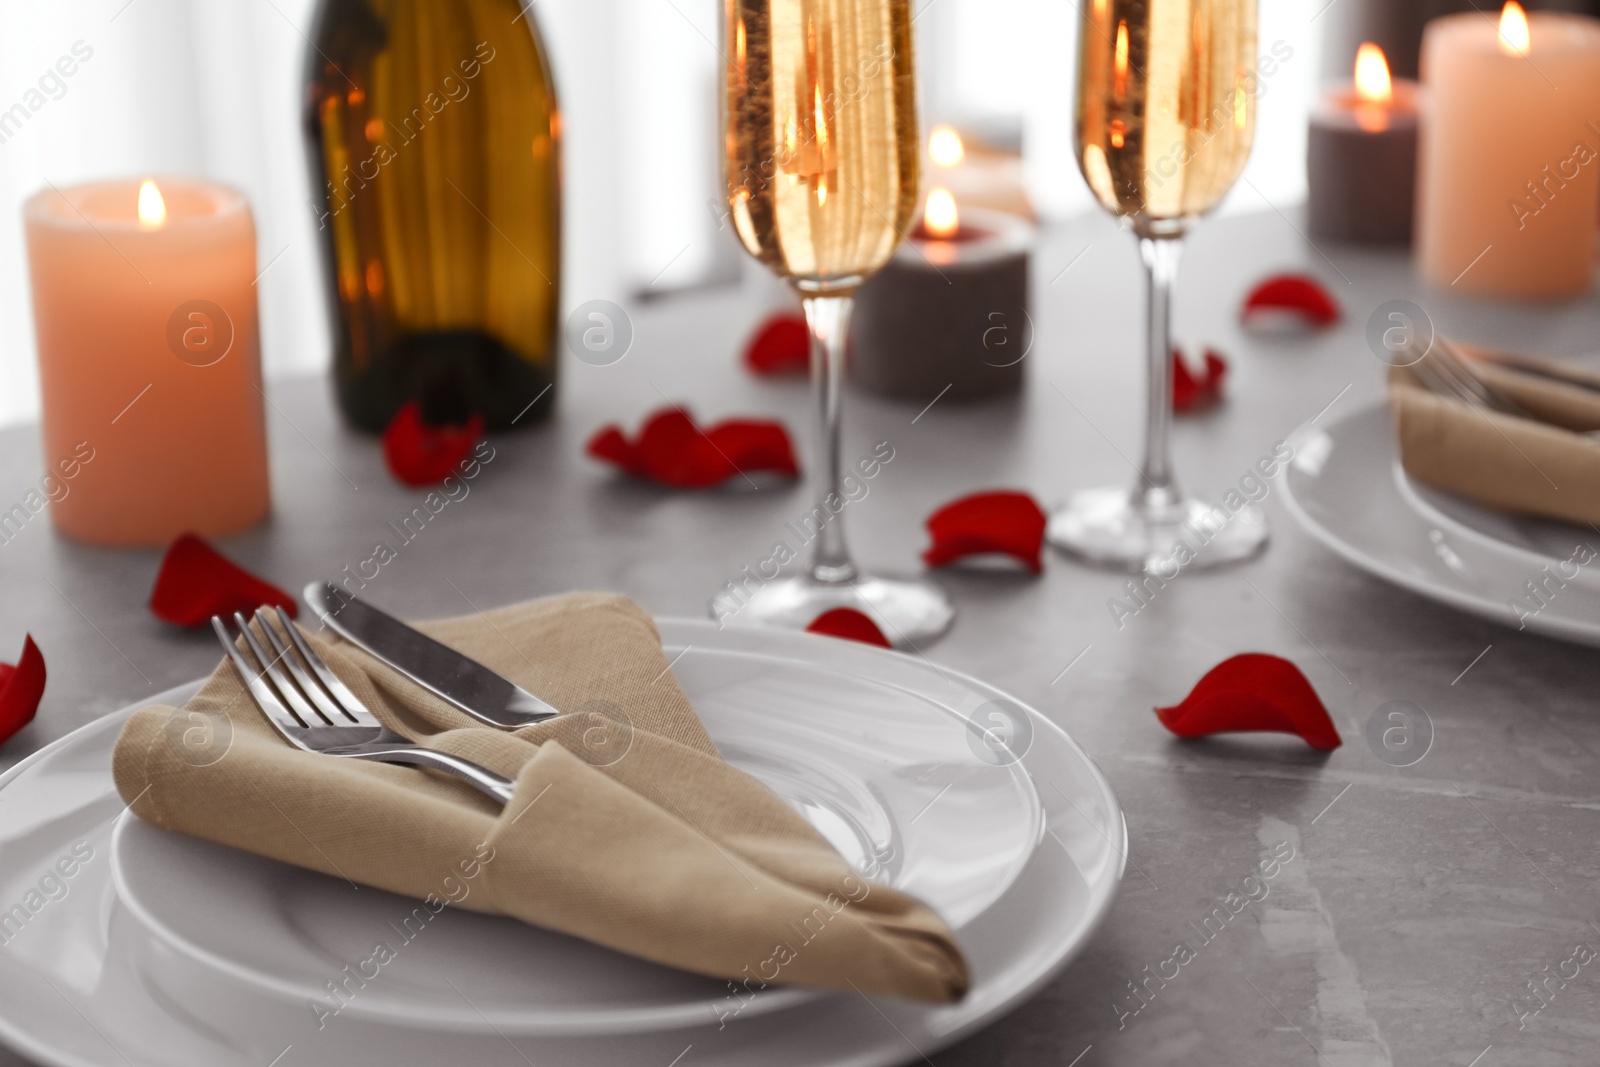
(1156, 490)
(829, 318)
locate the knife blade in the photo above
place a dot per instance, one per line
(467, 684)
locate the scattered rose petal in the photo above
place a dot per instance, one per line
(672, 450)
(196, 582)
(1296, 302)
(419, 454)
(1253, 692)
(1003, 522)
(782, 345)
(849, 624)
(1192, 393)
(21, 688)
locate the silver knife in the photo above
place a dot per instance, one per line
(465, 683)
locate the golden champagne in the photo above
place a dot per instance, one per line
(1166, 105)
(821, 133)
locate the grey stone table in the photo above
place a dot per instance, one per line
(1420, 903)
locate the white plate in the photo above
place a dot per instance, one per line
(887, 775)
(1535, 540)
(1343, 488)
(84, 958)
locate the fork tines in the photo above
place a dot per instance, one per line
(293, 684)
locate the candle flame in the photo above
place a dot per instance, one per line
(1515, 40)
(945, 147)
(1373, 84)
(939, 216)
(152, 209)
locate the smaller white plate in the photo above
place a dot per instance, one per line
(888, 775)
(1342, 487)
(1539, 541)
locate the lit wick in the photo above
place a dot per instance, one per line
(1374, 89)
(1515, 38)
(152, 209)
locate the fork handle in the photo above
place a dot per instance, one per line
(480, 778)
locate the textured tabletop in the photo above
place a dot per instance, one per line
(1420, 903)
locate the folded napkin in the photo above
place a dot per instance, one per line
(1543, 465)
(626, 828)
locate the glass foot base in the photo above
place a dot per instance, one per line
(1109, 528)
(909, 611)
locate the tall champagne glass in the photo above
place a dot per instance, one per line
(822, 164)
(1165, 120)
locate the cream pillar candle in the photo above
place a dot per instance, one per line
(145, 313)
(1509, 168)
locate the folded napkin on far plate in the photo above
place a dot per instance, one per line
(626, 829)
(1543, 465)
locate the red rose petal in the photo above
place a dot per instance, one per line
(197, 582)
(782, 345)
(1004, 522)
(675, 452)
(849, 624)
(612, 446)
(1296, 299)
(1253, 692)
(1190, 393)
(419, 454)
(672, 450)
(21, 688)
(756, 445)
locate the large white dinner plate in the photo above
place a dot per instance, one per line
(888, 775)
(1345, 487)
(90, 984)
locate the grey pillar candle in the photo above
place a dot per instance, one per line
(1361, 165)
(947, 316)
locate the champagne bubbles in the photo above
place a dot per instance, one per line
(599, 333)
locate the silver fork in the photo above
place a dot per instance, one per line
(313, 710)
(1444, 370)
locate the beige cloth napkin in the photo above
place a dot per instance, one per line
(626, 829)
(1544, 467)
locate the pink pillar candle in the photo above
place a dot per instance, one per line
(1509, 169)
(149, 359)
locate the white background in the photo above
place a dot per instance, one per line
(213, 87)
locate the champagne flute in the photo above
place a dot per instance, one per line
(1165, 120)
(822, 163)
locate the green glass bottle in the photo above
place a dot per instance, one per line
(435, 142)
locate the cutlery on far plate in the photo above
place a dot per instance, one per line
(469, 685)
(307, 703)
(1447, 371)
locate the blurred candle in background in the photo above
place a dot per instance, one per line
(1361, 156)
(149, 359)
(976, 173)
(947, 316)
(1509, 170)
